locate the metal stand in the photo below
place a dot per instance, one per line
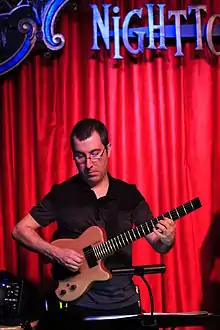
(141, 271)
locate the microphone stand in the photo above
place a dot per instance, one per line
(141, 271)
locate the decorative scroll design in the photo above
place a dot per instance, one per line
(51, 40)
(24, 23)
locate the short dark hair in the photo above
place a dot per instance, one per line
(84, 129)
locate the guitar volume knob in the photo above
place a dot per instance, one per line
(73, 287)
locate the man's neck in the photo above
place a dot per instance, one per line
(101, 188)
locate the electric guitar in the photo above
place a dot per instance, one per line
(93, 244)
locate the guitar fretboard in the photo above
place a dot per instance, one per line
(114, 244)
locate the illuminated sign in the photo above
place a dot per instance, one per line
(153, 32)
(33, 22)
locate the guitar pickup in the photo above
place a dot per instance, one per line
(90, 256)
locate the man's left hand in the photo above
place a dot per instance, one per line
(165, 230)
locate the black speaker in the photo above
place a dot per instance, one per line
(20, 300)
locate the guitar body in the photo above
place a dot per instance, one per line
(72, 288)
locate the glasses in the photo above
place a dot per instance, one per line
(94, 157)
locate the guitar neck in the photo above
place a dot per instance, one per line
(114, 244)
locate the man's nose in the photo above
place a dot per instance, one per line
(89, 163)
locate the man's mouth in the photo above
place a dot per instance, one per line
(92, 173)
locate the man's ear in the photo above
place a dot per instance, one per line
(109, 149)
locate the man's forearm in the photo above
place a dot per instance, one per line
(162, 238)
(32, 240)
(161, 247)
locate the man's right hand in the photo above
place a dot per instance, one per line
(26, 233)
(68, 258)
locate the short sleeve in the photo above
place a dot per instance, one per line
(46, 211)
(142, 213)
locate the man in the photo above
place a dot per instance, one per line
(93, 198)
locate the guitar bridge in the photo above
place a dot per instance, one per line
(90, 256)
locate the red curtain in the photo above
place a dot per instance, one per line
(163, 121)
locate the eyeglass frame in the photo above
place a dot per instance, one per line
(91, 157)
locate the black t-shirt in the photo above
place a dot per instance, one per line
(75, 207)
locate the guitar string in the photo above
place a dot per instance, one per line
(104, 245)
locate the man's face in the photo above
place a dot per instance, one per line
(92, 169)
